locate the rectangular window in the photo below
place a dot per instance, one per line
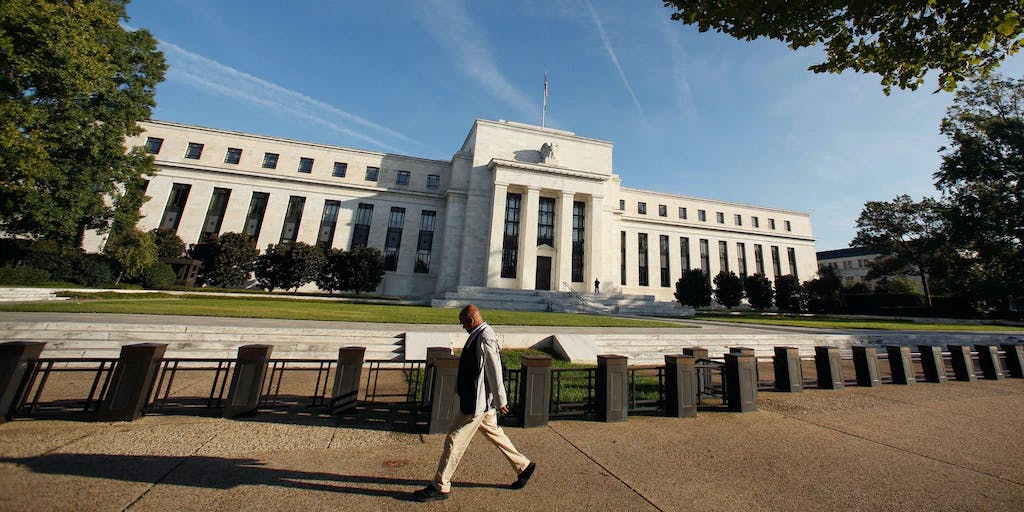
(771, 223)
(776, 264)
(215, 213)
(433, 181)
(292, 218)
(270, 160)
(682, 213)
(153, 145)
(254, 219)
(641, 208)
(759, 259)
(791, 253)
(328, 221)
(510, 242)
(684, 253)
(622, 205)
(340, 169)
(720, 217)
(402, 178)
(194, 151)
(305, 165)
(642, 260)
(425, 241)
(666, 277)
(702, 215)
(578, 221)
(741, 258)
(705, 258)
(372, 173)
(738, 219)
(754, 221)
(175, 205)
(723, 256)
(662, 210)
(361, 226)
(393, 240)
(622, 258)
(787, 225)
(546, 222)
(233, 156)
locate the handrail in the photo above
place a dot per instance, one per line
(581, 301)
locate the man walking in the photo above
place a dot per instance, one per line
(481, 391)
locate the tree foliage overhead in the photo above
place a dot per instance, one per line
(899, 40)
(74, 83)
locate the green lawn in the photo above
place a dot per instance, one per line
(825, 322)
(297, 309)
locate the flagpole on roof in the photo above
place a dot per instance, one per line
(544, 112)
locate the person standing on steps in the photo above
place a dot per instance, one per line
(481, 395)
(597, 286)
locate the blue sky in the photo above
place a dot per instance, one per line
(694, 114)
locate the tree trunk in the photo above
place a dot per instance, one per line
(924, 287)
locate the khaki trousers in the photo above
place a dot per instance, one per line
(458, 440)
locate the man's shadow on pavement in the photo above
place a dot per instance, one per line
(217, 473)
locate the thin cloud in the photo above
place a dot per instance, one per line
(612, 56)
(448, 22)
(213, 76)
(684, 93)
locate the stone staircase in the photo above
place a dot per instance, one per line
(569, 302)
(28, 294)
(81, 339)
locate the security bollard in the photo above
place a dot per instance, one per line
(680, 386)
(15, 358)
(703, 378)
(740, 383)
(931, 362)
(1014, 360)
(535, 391)
(247, 380)
(444, 406)
(865, 363)
(988, 359)
(428, 374)
(131, 382)
(963, 365)
(612, 392)
(345, 393)
(789, 372)
(826, 362)
(900, 364)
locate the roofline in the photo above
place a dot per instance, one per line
(714, 201)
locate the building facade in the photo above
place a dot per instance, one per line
(517, 206)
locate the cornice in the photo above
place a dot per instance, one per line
(495, 163)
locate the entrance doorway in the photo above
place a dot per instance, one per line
(543, 273)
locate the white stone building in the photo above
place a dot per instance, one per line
(516, 207)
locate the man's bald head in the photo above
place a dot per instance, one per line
(470, 317)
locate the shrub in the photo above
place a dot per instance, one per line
(27, 276)
(159, 275)
(693, 289)
(728, 289)
(367, 267)
(789, 294)
(288, 266)
(759, 291)
(227, 259)
(132, 249)
(336, 273)
(168, 243)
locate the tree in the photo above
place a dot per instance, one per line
(74, 83)
(693, 289)
(367, 268)
(911, 234)
(728, 289)
(227, 259)
(982, 178)
(899, 40)
(824, 293)
(270, 267)
(759, 291)
(288, 266)
(789, 294)
(336, 274)
(168, 243)
(132, 249)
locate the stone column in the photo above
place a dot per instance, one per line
(448, 252)
(592, 243)
(497, 235)
(563, 242)
(527, 272)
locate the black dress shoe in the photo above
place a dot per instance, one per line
(524, 477)
(430, 493)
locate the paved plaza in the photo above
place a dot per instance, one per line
(951, 446)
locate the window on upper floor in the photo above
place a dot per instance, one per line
(738, 219)
(270, 160)
(372, 173)
(787, 225)
(433, 181)
(662, 210)
(682, 213)
(771, 223)
(402, 178)
(340, 169)
(702, 215)
(233, 156)
(305, 165)
(641, 208)
(153, 145)
(194, 151)
(622, 205)
(754, 221)
(720, 217)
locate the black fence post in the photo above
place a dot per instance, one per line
(132, 381)
(247, 380)
(963, 365)
(988, 359)
(15, 358)
(680, 386)
(826, 362)
(612, 392)
(865, 363)
(931, 362)
(1014, 360)
(900, 364)
(444, 403)
(789, 372)
(741, 382)
(535, 391)
(428, 373)
(347, 376)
